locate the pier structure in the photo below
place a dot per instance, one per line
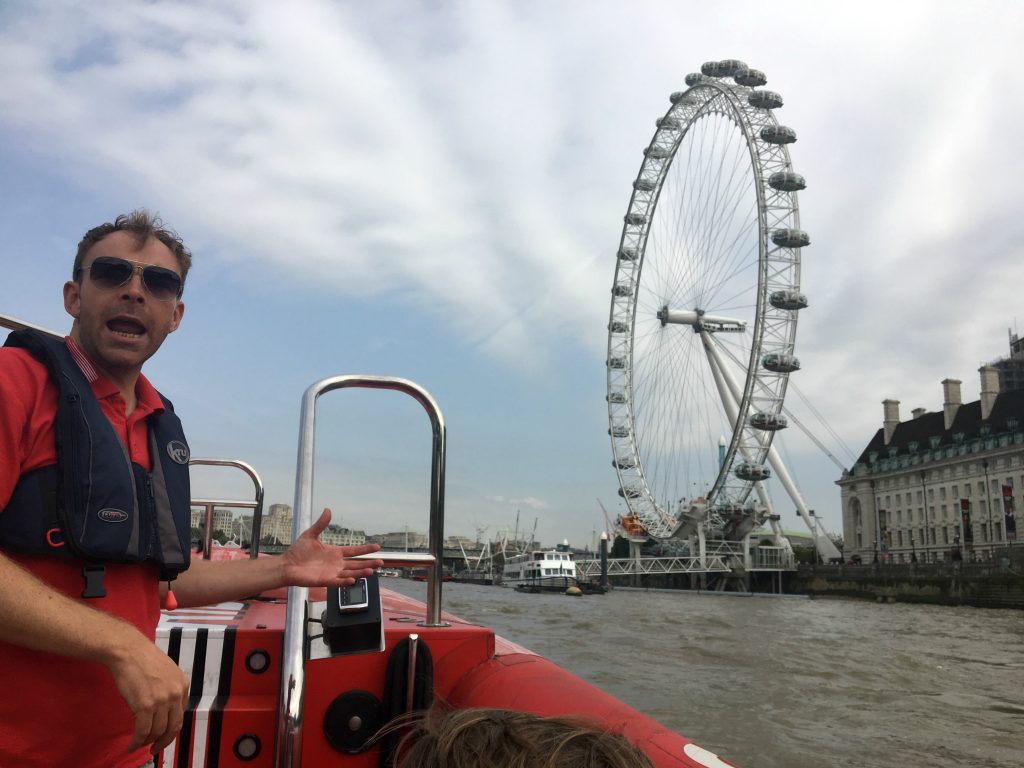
(725, 558)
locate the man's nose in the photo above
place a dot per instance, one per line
(134, 289)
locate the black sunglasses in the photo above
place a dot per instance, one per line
(110, 272)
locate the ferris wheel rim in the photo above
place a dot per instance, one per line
(707, 95)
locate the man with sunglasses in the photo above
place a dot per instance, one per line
(79, 597)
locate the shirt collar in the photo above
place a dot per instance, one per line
(147, 398)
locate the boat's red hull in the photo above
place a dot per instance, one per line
(235, 696)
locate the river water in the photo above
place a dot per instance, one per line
(785, 682)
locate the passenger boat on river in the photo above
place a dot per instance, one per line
(551, 570)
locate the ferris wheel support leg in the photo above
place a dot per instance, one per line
(822, 543)
(730, 394)
(824, 546)
(728, 401)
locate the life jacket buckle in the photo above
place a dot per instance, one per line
(93, 574)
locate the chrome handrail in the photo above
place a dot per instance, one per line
(14, 324)
(208, 505)
(290, 703)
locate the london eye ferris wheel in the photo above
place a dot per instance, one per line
(705, 300)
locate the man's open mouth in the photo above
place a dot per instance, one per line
(126, 327)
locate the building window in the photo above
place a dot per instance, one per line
(899, 538)
(945, 536)
(931, 494)
(956, 491)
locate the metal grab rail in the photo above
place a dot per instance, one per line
(208, 505)
(14, 324)
(404, 559)
(290, 703)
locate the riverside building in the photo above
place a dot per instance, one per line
(943, 485)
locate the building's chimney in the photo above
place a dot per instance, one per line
(950, 400)
(918, 412)
(989, 389)
(891, 417)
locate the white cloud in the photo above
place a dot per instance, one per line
(474, 159)
(529, 501)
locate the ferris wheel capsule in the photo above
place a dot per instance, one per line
(780, 363)
(788, 299)
(778, 134)
(787, 181)
(791, 238)
(627, 254)
(769, 422)
(750, 77)
(751, 472)
(764, 100)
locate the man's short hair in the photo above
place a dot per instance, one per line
(502, 738)
(143, 226)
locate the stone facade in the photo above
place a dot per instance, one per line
(903, 500)
(398, 541)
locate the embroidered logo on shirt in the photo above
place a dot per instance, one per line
(178, 451)
(112, 515)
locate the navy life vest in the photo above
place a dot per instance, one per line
(95, 504)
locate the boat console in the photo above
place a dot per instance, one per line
(353, 620)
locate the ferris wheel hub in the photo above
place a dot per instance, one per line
(700, 320)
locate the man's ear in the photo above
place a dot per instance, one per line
(179, 312)
(73, 298)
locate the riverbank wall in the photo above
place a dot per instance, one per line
(993, 584)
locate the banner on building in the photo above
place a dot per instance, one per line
(1009, 521)
(965, 519)
(883, 536)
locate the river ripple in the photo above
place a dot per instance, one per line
(771, 682)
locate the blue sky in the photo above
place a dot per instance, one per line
(436, 191)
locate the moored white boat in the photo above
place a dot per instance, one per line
(542, 569)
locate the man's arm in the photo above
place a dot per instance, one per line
(34, 615)
(307, 563)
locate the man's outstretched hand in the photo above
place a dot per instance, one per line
(311, 563)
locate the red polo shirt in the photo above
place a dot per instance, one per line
(57, 710)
